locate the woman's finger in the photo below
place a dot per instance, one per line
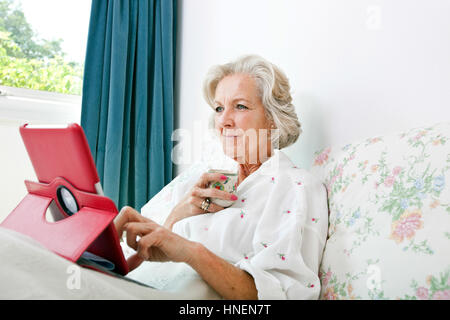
(207, 178)
(213, 193)
(126, 215)
(134, 261)
(131, 235)
(163, 245)
(214, 207)
(137, 229)
(149, 246)
(198, 201)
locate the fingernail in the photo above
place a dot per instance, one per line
(223, 177)
(233, 197)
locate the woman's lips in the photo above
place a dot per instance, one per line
(231, 137)
(230, 134)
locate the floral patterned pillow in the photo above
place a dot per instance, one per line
(389, 224)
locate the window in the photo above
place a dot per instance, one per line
(42, 49)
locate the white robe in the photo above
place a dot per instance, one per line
(276, 231)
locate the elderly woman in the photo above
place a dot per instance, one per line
(268, 244)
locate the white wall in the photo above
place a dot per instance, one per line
(357, 67)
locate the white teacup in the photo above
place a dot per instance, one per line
(229, 185)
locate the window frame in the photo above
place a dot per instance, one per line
(20, 105)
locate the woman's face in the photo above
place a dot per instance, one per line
(241, 121)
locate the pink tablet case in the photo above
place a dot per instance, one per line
(62, 152)
(91, 228)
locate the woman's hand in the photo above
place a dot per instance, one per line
(156, 243)
(191, 204)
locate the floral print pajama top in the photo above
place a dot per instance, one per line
(276, 230)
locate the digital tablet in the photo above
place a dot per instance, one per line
(61, 151)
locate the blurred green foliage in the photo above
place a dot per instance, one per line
(28, 62)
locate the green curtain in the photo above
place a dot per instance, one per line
(128, 96)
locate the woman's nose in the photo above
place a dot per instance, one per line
(226, 118)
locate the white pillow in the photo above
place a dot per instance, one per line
(389, 202)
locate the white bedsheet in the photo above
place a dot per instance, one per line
(30, 271)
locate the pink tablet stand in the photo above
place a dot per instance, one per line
(90, 229)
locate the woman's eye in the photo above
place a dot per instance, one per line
(219, 109)
(241, 106)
